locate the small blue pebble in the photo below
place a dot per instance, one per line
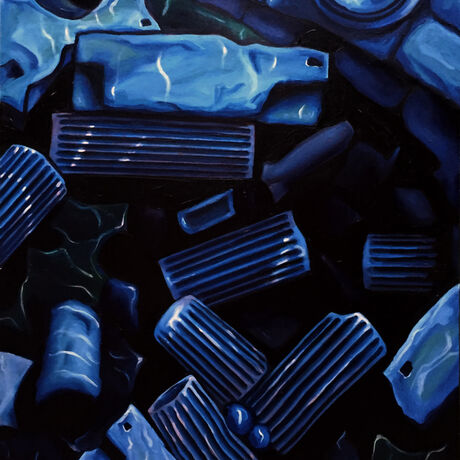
(259, 437)
(239, 420)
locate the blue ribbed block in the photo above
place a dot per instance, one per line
(135, 146)
(192, 426)
(397, 262)
(29, 189)
(72, 356)
(240, 262)
(136, 439)
(212, 350)
(327, 361)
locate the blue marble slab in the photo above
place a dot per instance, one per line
(239, 263)
(220, 358)
(29, 189)
(336, 353)
(425, 370)
(104, 144)
(192, 426)
(12, 371)
(136, 439)
(145, 72)
(207, 213)
(72, 355)
(400, 262)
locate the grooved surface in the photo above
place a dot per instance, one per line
(327, 361)
(209, 348)
(193, 427)
(134, 146)
(29, 189)
(399, 262)
(240, 262)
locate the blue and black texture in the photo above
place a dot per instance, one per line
(400, 262)
(29, 190)
(192, 425)
(239, 263)
(336, 353)
(111, 145)
(222, 360)
(71, 361)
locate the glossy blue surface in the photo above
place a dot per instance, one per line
(448, 11)
(29, 189)
(327, 361)
(192, 426)
(145, 72)
(238, 419)
(96, 454)
(259, 437)
(136, 439)
(12, 371)
(400, 262)
(430, 53)
(425, 370)
(72, 355)
(370, 78)
(306, 157)
(221, 359)
(238, 263)
(36, 51)
(207, 213)
(133, 146)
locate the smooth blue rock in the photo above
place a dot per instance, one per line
(72, 355)
(192, 426)
(29, 189)
(207, 213)
(259, 437)
(96, 454)
(36, 51)
(430, 54)
(106, 144)
(448, 11)
(12, 371)
(145, 72)
(221, 359)
(336, 353)
(239, 263)
(435, 124)
(306, 157)
(136, 439)
(378, 83)
(239, 419)
(119, 302)
(400, 262)
(425, 370)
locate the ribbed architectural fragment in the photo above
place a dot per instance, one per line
(326, 362)
(29, 189)
(138, 146)
(238, 263)
(222, 360)
(192, 426)
(397, 262)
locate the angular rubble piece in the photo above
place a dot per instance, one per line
(328, 360)
(222, 360)
(383, 450)
(425, 371)
(29, 189)
(72, 355)
(145, 72)
(105, 144)
(207, 213)
(192, 426)
(96, 454)
(306, 157)
(136, 439)
(400, 262)
(12, 371)
(238, 263)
